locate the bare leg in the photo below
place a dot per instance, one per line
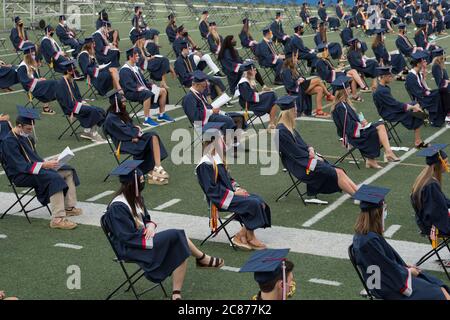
(162, 100)
(178, 278)
(384, 140)
(252, 240)
(345, 183)
(115, 78)
(147, 108)
(156, 151)
(417, 137)
(354, 88)
(446, 294)
(355, 75)
(319, 95)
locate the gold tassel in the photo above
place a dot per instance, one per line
(443, 163)
(213, 218)
(246, 112)
(118, 150)
(434, 237)
(30, 96)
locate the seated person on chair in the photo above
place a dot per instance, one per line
(203, 26)
(333, 22)
(384, 58)
(72, 104)
(431, 205)
(398, 280)
(418, 89)
(215, 40)
(296, 44)
(275, 278)
(329, 73)
(347, 35)
(245, 36)
(105, 52)
(185, 67)
(150, 59)
(277, 30)
(129, 139)
(201, 60)
(366, 67)
(403, 44)
(440, 76)
(306, 17)
(26, 168)
(112, 34)
(302, 161)
(334, 48)
(357, 131)
(224, 194)
(137, 89)
(268, 57)
(230, 60)
(421, 38)
(8, 76)
(67, 36)
(410, 115)
(260, 103)
(138, 22)
(18, 35)
(134, 237)
(103, 77)
(51, 51)
(40, 88)
(297, 85)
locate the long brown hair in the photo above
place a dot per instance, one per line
(323, 33)
(370, 221)
(89, 47)
(289, 64)
(439, 60)
(287, 118)
(341, 96)
(215, 35)
(429, 173)
(31, 64)
(377, 40)
(246, 29)
(128, 189)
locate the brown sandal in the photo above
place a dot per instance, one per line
(214, 263)
(176, 292)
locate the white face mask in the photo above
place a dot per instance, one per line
(65, 23)
(358, 45)
(33, 56)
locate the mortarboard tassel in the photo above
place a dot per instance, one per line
(214, 212)
(118, 150)
(30, 96)
(443, 163)
(136, 183)
(434, 233)
(117, 104)
(34, 130)
(283, 268)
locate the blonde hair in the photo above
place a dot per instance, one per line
(341, 96)
(287, 118)
(426, 175)
(215, 35)
(369, 221)
(251, 79)
(439, 60)
(30, 63)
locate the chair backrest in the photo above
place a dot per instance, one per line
(108, 233)
(352, 258)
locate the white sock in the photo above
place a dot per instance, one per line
(87, 130)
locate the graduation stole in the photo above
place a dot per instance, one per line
(188, 64)
(214, 211)
(202, 100)
(72, 96)
(136, 75)
(272, 49)
(344, 134)
(407, 40)
(22, 149)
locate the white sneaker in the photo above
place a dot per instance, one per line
(87, 136)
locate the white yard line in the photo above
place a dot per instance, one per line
(232, 269)
(322, 214)
(391, 230)
(167, 204)
(325, 282)
(68, 246)
(3, 236)
(101, 195)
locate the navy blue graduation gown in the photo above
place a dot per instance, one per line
(304, 100)
(321, 176)
(183, 67)
(433, 209)
(123, 132)
(157, 66)
(397, 61)
(18, 42)
(305, 16)
(8, 76)
(130, 79)
(104, 52)
(68, 39)
(134, 33)
(326, 71)
(350, 129)
(230, 67)
(43, 90)
(333, 22)
(171, 33)
(258, 102)
(339, 11)
(367, 68)
(24, 167)
(197, 109)
(397, 282)
(100, 79)
(252, 211)
(177, 44)
(439, 75)
(267, 56)
(422, 41)
(214, 47)
(53, 53)
(204, 29)
(392, 110)
(347, 34)
(4, 130)
(278, 32)
(432, 102)
(404, 45)
(245, 40)
(70, 101)
(303, 52)
(334, 48)
(170, 247)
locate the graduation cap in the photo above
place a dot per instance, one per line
(152, 33)
(29, 48)
(180, 28)
(199, 76)
(247, 65)
(17, 20)
(298, 26)
(245, 20)
(27, 116)
(88, 40)
(370, 197)
(419, 55)
(422, 23)
(62, 17)
(205, 12)
(434, 153)
(286, 102)
(170, 16)
(265, 30)
(114, 97)
(69, 63)
(128, 171)
(341, 83)
(278, 14)
(321, 47)
(130, 52)
(384, 71)
(438, 52)
(352, 40)
(401, 25)
(212, 130)
(106, 24)
(136, 8)
(268, 265)
(212, 23)
(48, 29)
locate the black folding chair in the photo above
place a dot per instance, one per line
(390, 126)
(252, 117)
(131, 278)
(295, 186)
(348, 153)
(135, 107)
(113, 151)
(73, 126)
(351, 255)
(444, 242)
(20, 198)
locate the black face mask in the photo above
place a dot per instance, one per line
(233, 43)
(21, 24)
(141, 186)
(184, 34)
(302, 32)
(51, 34)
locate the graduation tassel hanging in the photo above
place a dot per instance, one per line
(246, 112)
(283, 267)
(34, 130)
(136, 183)
(214, 212)
(443, 163)
(118, 150)
(434, 237)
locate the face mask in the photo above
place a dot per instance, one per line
(33, 56)
(23, 134)
(233, 43)
(302, 32)
(358, 45)
(51, 34)
(64, 23)
(184, 34)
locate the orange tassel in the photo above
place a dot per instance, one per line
(118, 151)
(434, 237)
(443, 163)
(214, 212)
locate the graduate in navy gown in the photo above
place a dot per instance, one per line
(387, 19)
(171, 29)
(245, 36)
(398, 280)
(297, 85)
(129, 139)
(224, 194)
(430, 203)
(296, 44)
(260, 103)
(333, 22)
(157, 65)
(112, 34)
(204, 24)
(440, 76)
(138, 23)
(268, 56)
(366, 67)
(230, 60)
(137, 89)
(215, 40)
(340, 11)
(421, 37)
(18, 35)
(8, 75)
(306, 17)
(67, 36)
(410, 115)
(403, 44)
(185, 67)
(356, 131)
(418, 89)
(102, 77)
(51, 51)
(36, 86)
(134, 236)
(71, 102)
(302, 161)
(334, 48)
(25, 168)
(347, 35)
(105, 51)
(277, 30)
(384, 58)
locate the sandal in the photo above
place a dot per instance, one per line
(357, 98)
(321, 114)
(400, 78)
(176, 292)
(152, 179)
(256, 246)
(422, 145)
(330, 97)
(48, 111)
(366, 90)
(240, 244)
(214, 263)
(160, 172)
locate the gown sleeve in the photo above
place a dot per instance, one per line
(217, 193)
(14, 157)
(435, 205)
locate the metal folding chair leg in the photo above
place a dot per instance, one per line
(72, 128)
(222, 226)
(435, 251)
(294, 186)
